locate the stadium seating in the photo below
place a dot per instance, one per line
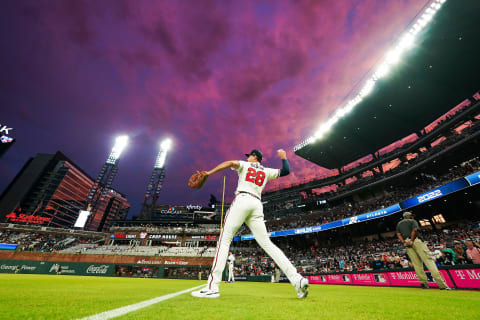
(362, 255)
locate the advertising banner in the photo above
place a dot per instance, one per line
(331, 279)
(473, 178)
(466, 278)
(64, 268)
(372, 215)
(409, 278)
(330, 225)
(8, 246)
(371, 279)
(435, 193)
(20, 266)
(339, 279)
(81, 269)
(317, 279)
(25, 218)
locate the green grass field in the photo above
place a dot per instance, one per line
(71, 297)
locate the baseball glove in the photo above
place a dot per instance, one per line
(197, 180)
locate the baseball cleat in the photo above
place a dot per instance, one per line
(205, 293)
(302, 288)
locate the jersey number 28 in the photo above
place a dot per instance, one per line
(255, 176)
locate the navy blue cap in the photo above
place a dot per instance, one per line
(257, 153)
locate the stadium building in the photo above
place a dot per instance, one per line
(51, 190)
(113, 206)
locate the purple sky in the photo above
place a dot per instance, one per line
(218, 77)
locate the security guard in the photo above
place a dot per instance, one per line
(407, 231)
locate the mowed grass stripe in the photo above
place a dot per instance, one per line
(140, 305)
(25, 296)
(255, 301)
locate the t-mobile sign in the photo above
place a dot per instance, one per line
(409, 278)
(331, 279)
(371, 279)
(466, 278)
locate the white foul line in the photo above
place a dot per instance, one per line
(133, 307)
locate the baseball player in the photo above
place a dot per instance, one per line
(231, 262)
(247, 207)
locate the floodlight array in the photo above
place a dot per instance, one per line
(166, 144)
(120, 144)
(162, 155)
(406, 42)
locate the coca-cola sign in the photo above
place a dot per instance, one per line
(101, 269)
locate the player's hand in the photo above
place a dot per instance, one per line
(408, 243)
(282, 154)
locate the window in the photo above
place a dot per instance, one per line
(438, 219)
(424, 222)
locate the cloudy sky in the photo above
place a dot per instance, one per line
(218, 77)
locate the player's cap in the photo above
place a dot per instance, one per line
(257, 153)
(407, 213)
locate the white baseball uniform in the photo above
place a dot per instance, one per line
(247, 207)
(231, 262)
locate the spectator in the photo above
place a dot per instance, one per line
(448, 256)
(459, 254)
(473, 252)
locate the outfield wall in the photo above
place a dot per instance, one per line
(51, 267)
(462, 277)
(115, 259)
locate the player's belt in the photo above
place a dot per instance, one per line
(249, 194)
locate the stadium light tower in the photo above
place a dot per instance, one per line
(405, 43)
(156, 180)
(107, 174)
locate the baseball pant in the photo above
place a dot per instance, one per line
(248, 209)
(419, 255)
(230, 273)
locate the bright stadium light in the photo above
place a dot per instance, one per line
(120, 144)
(391, 58)
(318, 134)
(382, 71)
(165, 146)
(367, 88)
(407, 41)
(341, 112)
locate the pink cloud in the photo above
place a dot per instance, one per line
(219, 77)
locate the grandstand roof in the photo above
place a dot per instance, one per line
(432, 78)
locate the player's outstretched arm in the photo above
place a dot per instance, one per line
(285, 165)
(224, 165)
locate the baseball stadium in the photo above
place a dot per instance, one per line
(373, 209)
